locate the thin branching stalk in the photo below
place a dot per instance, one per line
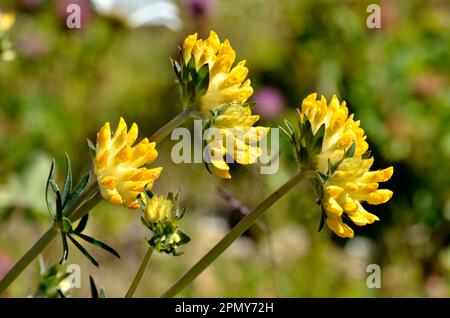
(86, 202)
(233, 235)
(140, 273)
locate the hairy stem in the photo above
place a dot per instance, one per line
(140, 273)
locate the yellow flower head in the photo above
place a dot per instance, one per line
(333, 143)
(227, 84)
(158, 209)
(7, 20)
(341, 130)
(347, 187)
(119, 165)
(236, 136)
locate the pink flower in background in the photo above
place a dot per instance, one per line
(199, 8)
(269, 102)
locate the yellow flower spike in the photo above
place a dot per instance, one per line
(341, 130)
(226, 84)
(235, 125)
(118, 164)
(333, 143)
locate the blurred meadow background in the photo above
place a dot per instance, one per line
(65, 83)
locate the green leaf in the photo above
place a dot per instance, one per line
(208, 168)
(366, 155)
(68, 183)
(58, 200)
(66, 225)
(183, 238)
(181, 213)
(140, 201)
(318, 140)
(94, 291)
(323, 177)
(307, 135)
(83, 250)
(92, 148)
(51, 177)
(65, 249)
(97, 243)
(177, 69)
(322, 219)
(289, 127)
(203, 79)
(76, 193)
(350, 151)
(288, 135)
(82, 225)
(102, 293)
(144, 222)
(149, 194)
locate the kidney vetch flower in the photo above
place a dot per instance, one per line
(333, 143)
(207, 75)
(119, 165)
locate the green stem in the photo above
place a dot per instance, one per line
(29, 256)
(232, 236)
(140, 273)
(87, 201)
(165, 130)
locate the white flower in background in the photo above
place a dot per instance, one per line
(139, 13)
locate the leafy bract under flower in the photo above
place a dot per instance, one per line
(227, 84)
(232, 133)
(119, 166)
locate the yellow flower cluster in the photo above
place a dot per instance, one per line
(341, 130)
(235, 126)
(352, 182)
(226, 84)
(119, 165)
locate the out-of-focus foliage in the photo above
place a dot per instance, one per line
(65, 83)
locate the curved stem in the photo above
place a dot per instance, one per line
(165, 130)
(86, 202)
(232, 236)
(140, 273)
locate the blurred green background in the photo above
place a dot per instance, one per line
(65, 83)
